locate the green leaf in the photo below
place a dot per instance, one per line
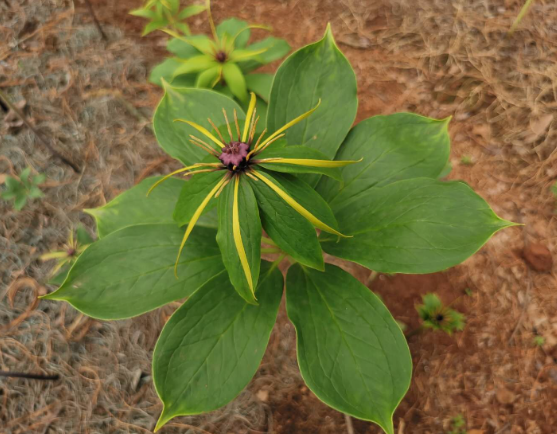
(394, 147)
(20, 202)
(276, 48)
(235, 80)
(143, 13)
(193, 192)
(317, 71)
(297, 152)
(133, 207)
(131, 271)
(167, 71)
(35, 192)
(190, 11)
(154, 25)
(212, 346)
(207, 78)
(82, 236)
(288, 229)
(260, 84)
(183, 49)
(195, 105)
(419, 226)
(352, 353)
(231, 27)
(197, 63)
(239, 236)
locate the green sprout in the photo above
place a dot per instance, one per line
(539, 341)
(458, 425)
(436, 316)
(466, 160)
(554, 190)
(166, 14)
(23, 189)
(74, 246)
(221, 62)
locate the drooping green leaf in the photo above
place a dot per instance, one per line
(183, 49)
(419, 226)
(195, 105)
(133, 207)
(131, 271)
(394, 147)
(195, 64)
(288, 229)
(352, 353)
(231, 27)
(212, 346)
(316, 72)
(235, 80)
(190, 11)
(154, 25)
(275, 48)
(143, 13)
(239, 236)
(193, 192)
(260, 84)
(297, 152)
(208, 78)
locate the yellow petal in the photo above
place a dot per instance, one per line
(309, 162)
(238, 237)
(299, 208)
(202, 130)
(251, 107)
(53, 255)
(290, 124)
(195, 217)
(183, 169)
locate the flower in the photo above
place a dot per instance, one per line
(236, 157)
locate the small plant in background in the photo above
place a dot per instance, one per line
(166, 14)
(223, 62)
(466, 160)
(74, 246)
(539, 341)
(436, 316)
(23, 188)
(372, 189)
(458, 425)
(554, 190)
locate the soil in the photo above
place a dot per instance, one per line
(434, 57)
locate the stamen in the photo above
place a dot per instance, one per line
(209, 150)
(216, 129)
(251, 176)
(203, 131)
(259, 139)
(228, 125)
(266, 145)
(251, 109)
(223, 185)
(236, 122)
(253, 126)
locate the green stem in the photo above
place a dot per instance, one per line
(266, 240)
(270, 250)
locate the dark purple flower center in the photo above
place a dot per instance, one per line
(71, 252)
(234, 154)
(221, 56)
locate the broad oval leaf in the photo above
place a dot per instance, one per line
(260, 84)
(195, 105)
(239, 236)
(275, 48)
(316, 72)
(352, 353)
(133, 207)
(393, 147)
(235, 80)
(181, 48)
(193, 192)
(212, 346)
(417, 226)
(131, 271)
(288, 229)
(300, 153)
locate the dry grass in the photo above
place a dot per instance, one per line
(433, 57)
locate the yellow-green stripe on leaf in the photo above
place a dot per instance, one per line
(294, 204)
(196, 216)
(239, 236)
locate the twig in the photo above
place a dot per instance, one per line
(29, 376)
(18, 112)
(92, 12)
(349, 426)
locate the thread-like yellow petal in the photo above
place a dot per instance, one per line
(195, 217)
(299, 208)
(202, 130)
(290, 124)
(251, 108)
(238, 237)
(308, 162)
(164, 178)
